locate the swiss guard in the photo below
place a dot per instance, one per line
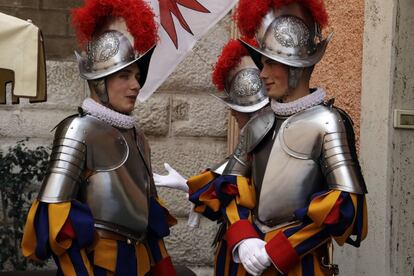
(294, 182)
(97, 212)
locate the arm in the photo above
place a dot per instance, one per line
(333, 213)
(57, 224)
(196, 186)
(63, 230)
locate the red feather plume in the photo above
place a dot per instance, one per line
(230, 57)
(249, 13)
(138, 17)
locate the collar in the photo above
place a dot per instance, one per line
(287, 109)
(107, 115)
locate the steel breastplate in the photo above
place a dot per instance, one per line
(118, 197)
(287, 184)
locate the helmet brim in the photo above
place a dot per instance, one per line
(142, 62)
(242, 108)
(311, 60)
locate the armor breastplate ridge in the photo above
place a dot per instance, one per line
(118, 198)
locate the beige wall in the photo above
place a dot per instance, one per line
(340, 70)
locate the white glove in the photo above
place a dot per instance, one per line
(172, 180)
(253, 256)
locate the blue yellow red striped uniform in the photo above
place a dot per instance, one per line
(294, 249)
(65, 231)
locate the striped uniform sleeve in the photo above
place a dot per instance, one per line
(228, 197)
(237, 197)
(159, 222)
(63, 230)
(202, 194)
(332, 213)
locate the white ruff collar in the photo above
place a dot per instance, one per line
(287, 109)
(107, 115)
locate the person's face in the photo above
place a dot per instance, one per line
(123, 89)
(275, 76)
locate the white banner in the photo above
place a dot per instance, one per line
(181, 24)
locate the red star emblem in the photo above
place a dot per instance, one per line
(169, 7)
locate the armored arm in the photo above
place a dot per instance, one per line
(67, 163)
(339, 160)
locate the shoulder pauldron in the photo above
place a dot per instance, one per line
(80, 142)
(257, 128)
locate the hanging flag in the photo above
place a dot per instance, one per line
(22, 60)
(181, 24)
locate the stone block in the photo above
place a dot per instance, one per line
(70, 29)
(40, 123)
(8, 10)
(199, 115)
(194, 72)
(61, 4)
(60, 47)
(192, 247)
(65, 89)
(153, 115)
(176, 201)
(50, 22)
(20, 3)
(30, 123)
(202, 270)
(187, 156)
(9, 122)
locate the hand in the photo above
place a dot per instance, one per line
(172, 180)
(253, 256)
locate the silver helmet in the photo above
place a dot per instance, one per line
(108, 53)
(287, 37)
(245, 89)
